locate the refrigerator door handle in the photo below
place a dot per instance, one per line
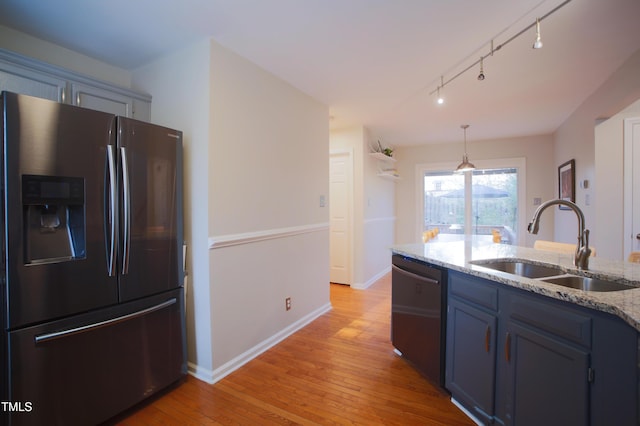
(85, 328)
(126, 210)
(111, 255)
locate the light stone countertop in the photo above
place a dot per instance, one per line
(457, 255)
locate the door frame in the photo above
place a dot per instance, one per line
(629, 125)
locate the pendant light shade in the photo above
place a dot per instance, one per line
(465, 166)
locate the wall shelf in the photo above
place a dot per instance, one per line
(385, 171)
(389, 175)
(380, 156)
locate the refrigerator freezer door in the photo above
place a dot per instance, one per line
(56, 212)
(85, 369)
(151, 208)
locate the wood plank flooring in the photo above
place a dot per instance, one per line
(339, 370)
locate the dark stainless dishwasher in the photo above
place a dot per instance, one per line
(418, 302)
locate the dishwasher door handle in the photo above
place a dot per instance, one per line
(416, 276)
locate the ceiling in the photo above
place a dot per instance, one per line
(375, 62)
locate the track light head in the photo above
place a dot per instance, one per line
(481, 75)
(538, 43)
(440, 99)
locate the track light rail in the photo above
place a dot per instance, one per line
(444, 82)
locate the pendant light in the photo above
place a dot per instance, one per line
(465, 166)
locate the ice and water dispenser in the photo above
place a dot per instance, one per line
(54, 218)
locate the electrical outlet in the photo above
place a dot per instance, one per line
(287, 303)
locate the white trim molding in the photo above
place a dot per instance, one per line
(237, 362)
(269, 234)
(372, 280)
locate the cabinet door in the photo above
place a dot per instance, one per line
(99, 99)
(547, 379)
(27, 82)
(471, 356)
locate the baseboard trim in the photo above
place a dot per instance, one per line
(370, 281)
(219, 373)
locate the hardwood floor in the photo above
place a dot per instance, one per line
(340, 369)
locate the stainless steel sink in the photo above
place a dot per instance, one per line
(587, 284)
(523, 269)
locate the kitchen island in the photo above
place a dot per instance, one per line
(458, 255)
(521, 350)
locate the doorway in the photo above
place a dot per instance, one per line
(340, 217)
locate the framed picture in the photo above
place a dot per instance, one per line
(567, 182)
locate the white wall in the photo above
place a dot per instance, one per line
(609, 171)
(379, 217)
(537, 150)
(374, 206)
(576, 139)
(268, 167)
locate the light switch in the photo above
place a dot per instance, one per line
(322, 201)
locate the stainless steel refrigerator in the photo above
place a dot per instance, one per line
(92, 272)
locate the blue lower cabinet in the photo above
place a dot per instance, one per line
(519, 358)
(470, 372)
(547, 380)
(472, 329)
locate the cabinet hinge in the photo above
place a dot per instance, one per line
(591, 375)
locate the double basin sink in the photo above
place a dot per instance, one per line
(553, 275)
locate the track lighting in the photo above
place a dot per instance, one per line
(481, 75)
(465, 166)
(538, 43)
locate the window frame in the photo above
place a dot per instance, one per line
(518, 163)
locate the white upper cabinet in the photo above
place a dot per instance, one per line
(27, 76)
(90, 97)
(22, 80)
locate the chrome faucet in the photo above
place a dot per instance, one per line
(581, 257)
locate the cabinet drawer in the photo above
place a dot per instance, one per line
(474, 289)
(561, 321)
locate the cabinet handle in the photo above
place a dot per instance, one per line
(487, 339)
(89, 327)
(507, 347)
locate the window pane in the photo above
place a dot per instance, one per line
(495, 203)
(444, 202)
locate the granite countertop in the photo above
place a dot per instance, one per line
(457, 255)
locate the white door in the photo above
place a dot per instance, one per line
(340, 226)
(632, 166)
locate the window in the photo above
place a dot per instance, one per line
(485, 202)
